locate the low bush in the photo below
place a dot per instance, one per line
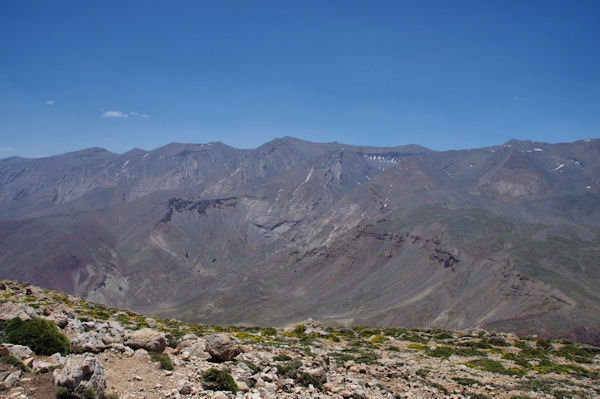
(163, 359)
(307, 379)
(491, 365)
(42, 336)
(82, 392)
(289, 369)
(219, 380)
(268, 332)
(465, 381)
(441, 351)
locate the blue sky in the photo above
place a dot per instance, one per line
(443, 74)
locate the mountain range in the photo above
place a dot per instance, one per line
(502, 238)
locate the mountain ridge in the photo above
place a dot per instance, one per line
(211, 233)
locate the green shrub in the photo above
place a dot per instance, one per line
(251, 366)
(64, 393)
(289, 369)
(82, 392)
(443, 335)
(531, 353)
(477, 345)
(13, 361)
(300, 328)
(86, 392)
(469, 352)
(571, 352)
(307, 379)
(218, 380)
(42, 336)
(268, 331)
(441, 351)
(465, 381)
(281, 358)
(490, 365)
(366, 357)
(415, 338)
(163, 359)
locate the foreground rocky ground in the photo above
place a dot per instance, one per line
(121, 354)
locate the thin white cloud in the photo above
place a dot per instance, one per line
(114, 114)
(7, 149)
(138, 114)
(49, 102)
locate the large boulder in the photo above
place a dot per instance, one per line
(146, 338)
(90, 341)
(220, 347)
(81, 371)
(10, 310)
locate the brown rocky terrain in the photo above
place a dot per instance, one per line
(122, 354)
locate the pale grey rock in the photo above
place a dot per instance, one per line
(10, 310)
(60, 318)
(151, 322)
(241, 372)
(318, 373)
(11, 379)
(90, 341)
(43, 366)
(146, 338)
(19, 351)
(220, 347)
(81, 370)
(185, 389)
(141, 353)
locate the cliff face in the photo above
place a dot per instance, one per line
(505, 237)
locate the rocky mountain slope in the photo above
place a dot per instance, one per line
(115, 353)
(504, 238)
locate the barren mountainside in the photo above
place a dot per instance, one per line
(503, 238)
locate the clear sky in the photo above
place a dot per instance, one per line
(443, 74)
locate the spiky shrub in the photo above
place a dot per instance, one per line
(218, 380)
(42, 336)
